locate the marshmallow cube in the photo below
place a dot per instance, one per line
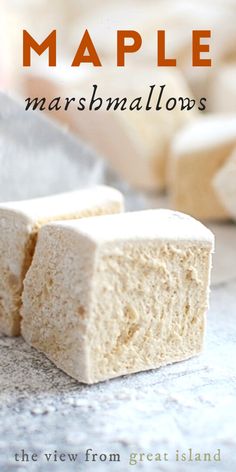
(198, 153)
(113, 295)
(19, 225)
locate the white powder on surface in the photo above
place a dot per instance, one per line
(189, 404)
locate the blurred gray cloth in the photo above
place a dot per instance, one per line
(37, 158)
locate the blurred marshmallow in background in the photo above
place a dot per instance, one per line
(134, 143)
(222, 95)
(137, 144)
(198, 153)
(103, 19)
(225, 184)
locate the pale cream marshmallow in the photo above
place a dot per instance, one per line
(118, 294)
(222, 93)
(197, 154)
(225, 185)
(19, 225)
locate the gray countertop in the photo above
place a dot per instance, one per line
(189, 405)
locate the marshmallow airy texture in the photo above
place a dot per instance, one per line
(19, 225)
(118, 294)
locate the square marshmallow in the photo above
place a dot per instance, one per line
(113, 295)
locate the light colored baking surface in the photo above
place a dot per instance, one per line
(187, 405)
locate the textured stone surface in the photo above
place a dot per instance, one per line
(187, 405)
